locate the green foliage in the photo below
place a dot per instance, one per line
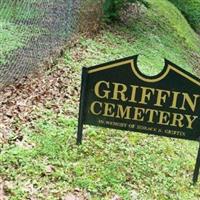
(164, 33)
(18, 11)
(169, 37)
(111, 8)
(13, 35)
(191, 10)
(47, 164)
(108, 163)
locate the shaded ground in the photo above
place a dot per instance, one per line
(38, 155)
(54, 24)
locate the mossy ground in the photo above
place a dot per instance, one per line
(108, 163)
(47, 164)
(14, 35)
(191, 10)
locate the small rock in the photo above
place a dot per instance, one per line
(116, 197)
(70, 196)
(134, 195)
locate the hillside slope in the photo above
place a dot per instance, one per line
(157, 32)
(163, 32)
(191, 10)
(39, 156)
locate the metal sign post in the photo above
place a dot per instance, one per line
(197, 167)
(82, 102)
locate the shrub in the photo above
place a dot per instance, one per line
(111, 8)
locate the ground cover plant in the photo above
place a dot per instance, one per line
(38, 152)
(14, 35)
(109, 164)
(37, 29)
(153, 40)
(191, 10)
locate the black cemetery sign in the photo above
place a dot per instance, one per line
(117, 95)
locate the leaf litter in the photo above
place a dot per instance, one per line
(19, 104)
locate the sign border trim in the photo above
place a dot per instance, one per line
(150, 79)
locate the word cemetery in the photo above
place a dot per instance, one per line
(117, 95)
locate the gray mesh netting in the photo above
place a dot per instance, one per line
(32, 31)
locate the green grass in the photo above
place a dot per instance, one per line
(12, 34)
(191, 10)
(20, 10)
(164, 33)
(47, 164)
(108, 163)
(169, 37)
(13, 37)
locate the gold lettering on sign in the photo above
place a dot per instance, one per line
(162, 97)
(164, 118)
(104, 91)
(146, 94)
(109, 110)
(192, 103)
(96, 105)
(190, 119)
(177, 120)
(133, 93)
(119, 92)
(114, 95)
(123, 113)
(152, 114)
(175, 100)
(138, 115)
